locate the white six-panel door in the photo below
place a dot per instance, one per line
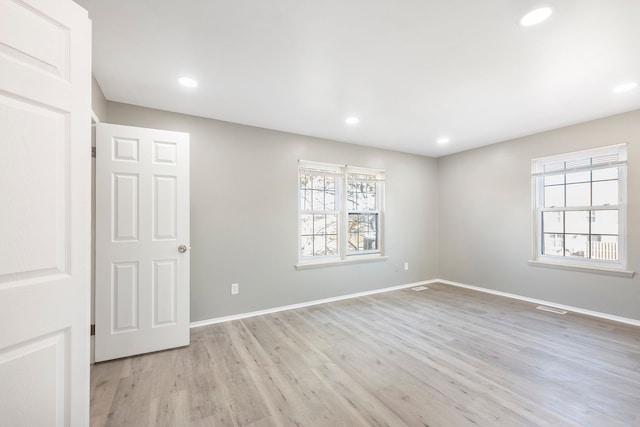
(45, 212)
(142, 240)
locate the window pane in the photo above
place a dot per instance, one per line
(330, 200)
(361, 200)
(602, 174)
(332, 224)
(353, 223)
(576, 222)
(371, 242)
(306, 224)
(604, 247)
(330, 183)
(332, 245)
(579, 177)
(319, 226)
(351, 197)
(318, 200)
(305, 200)
(363, 224)
(363, 232)
(371, 202)
(578, 194)
(305, 180)
(605, 193)
(604, 222)
(554, 196)
(554, 179)
(361, 196)
(552, 222)
(553, 244)
(318, 182)
(319, 247)
(353, 242)
(307, 245)
(576, 245)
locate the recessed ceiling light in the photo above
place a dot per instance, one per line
(443, 140)
(187, 82)
(625, 87)
(536, 16)
(352, 120)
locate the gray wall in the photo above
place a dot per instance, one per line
(464, 217)
(484, 214)
(244, 214)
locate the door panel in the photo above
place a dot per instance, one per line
(125, 207)
(165, 289)
(165, 209)
(34, 230)
(124, 294)
(45, 158)
(142, 217)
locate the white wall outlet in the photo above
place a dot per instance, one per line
(234, 289)
(406, 266)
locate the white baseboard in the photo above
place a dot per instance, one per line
(592, 313)
(569, 308)
(305, 304)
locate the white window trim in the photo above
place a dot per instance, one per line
(619, 267)
(326, 262)
(344, 256)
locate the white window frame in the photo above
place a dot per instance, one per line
(341, 172)
(618, 154)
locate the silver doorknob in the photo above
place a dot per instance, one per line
(182, 249)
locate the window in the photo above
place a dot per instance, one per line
(340, 211)
(580, 208)
(363, 211)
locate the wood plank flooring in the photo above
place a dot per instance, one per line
(442, 357)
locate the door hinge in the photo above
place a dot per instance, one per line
(93, 152)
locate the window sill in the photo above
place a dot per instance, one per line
(583, 268)
(348, 260)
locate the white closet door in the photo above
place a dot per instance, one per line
(45, 212)
(142, 240)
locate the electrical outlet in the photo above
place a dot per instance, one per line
(406, 266)
(234, 289)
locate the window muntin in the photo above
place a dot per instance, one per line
(580, 207)
(340, 211)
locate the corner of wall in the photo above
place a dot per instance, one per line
(98, 101)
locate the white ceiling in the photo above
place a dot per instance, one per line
(411, 70)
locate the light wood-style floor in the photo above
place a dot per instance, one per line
(441, 357)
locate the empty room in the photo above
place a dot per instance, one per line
(297, 213)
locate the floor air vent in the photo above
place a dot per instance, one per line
(420, 288)
(551, 309)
